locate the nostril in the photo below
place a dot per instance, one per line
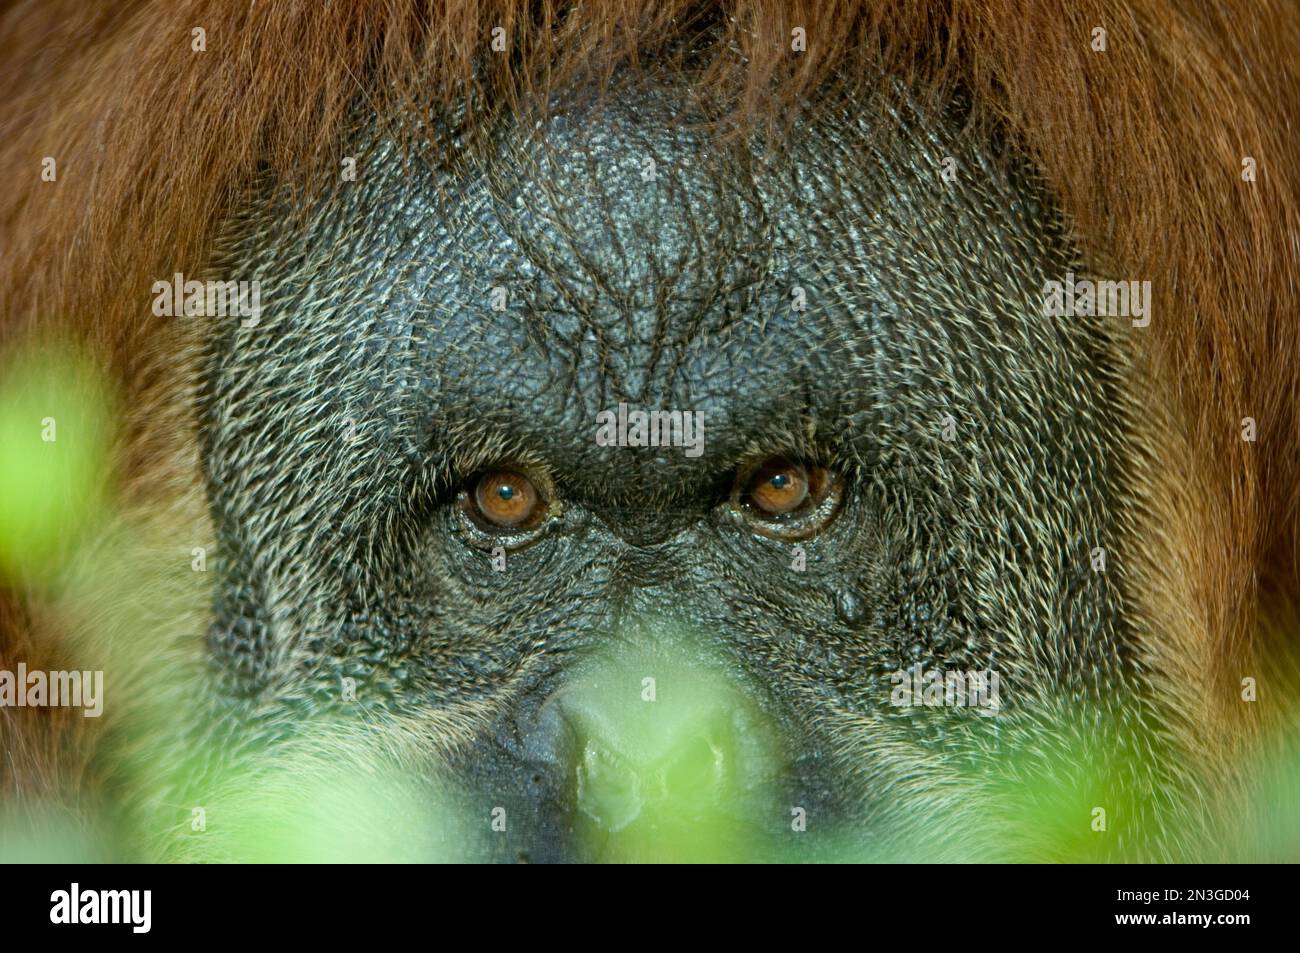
(608, 788)
(689, 771)
(701, 771)
(652, 751)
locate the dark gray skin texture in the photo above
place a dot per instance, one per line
(350, 558)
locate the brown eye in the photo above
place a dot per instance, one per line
(786, 499)
(779, 488)
(506, 500)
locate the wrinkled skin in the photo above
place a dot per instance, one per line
(351, 557)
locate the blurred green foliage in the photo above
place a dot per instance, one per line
(55, 432)
(683, 768)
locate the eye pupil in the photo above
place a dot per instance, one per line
(505, 500)
(786, 499)
(780, 487)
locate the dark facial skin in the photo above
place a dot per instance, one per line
(975, 442)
